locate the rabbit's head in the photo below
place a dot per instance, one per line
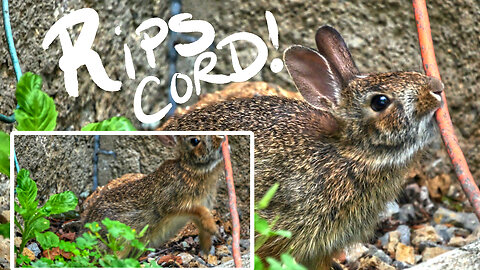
(385, 117)
(201, 152)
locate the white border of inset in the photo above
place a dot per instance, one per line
(127, 133)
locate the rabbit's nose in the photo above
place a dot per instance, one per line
(436, 85)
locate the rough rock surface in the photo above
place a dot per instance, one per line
(465, 258)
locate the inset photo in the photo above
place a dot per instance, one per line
(132, 199)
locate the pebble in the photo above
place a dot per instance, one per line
(405, 234)
(354, 252)
(245, 243)
(457, 241)
(400, 265)
(4, 248)
(392, 210)
(407, 213)
(464, 220)
(27, 252)
(425, 200)
(393, 240)
(384, 240)
(404, 253)
(212, 259)
(374, 263)
(432, 252)
(186, 258)
(459, 231)
(222, 250)
(373, 251)
(34, 248)
(443, 232)
(423, 234)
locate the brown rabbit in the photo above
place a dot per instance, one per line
(178, 191)
(339, 154)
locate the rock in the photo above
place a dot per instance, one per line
(464, 220)
(412, 191)
(426, 244)
(404, 234)
(439, 186)
(6, 215)
(465, 258)
(354, 252)
(245, 243)
(459, 231)
(222, 250)
(393, 240)
(392, 210)
(27, 252)
(373, 251)
(444, 233)
(4, 248)
(425, 200)
(374, 263)
(384, 240)
(230, 264)
(34, 248)
(212, 259)
(407, 213)
(426, 233)
(186, 258)
(457, 241)
(432, 252)
(404, 253)
(400, 265)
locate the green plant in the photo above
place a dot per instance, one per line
(86, 250)
(36, 111)
(113, 124)
(34, 221)
(265, 231)
(4, 153)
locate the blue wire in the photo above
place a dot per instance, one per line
(16, 65)
(13, 54)
(11, 44)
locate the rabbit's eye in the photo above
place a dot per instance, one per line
(380, 103)
(194, 141)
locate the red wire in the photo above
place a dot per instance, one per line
(442, 115)
(232, 201)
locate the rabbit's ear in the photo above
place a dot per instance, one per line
(331, 45)
(313, 76)
(168, 140)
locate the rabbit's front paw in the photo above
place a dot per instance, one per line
(209, 225)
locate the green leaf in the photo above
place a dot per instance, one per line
(67, 246)
(40, 225)
(86, 241)
(22, 259)
(5, 230)
(118, 123)
(274, 264)
(290, 263)
(267, 197)
(26, 190)
(60, 203)
(36, 110)
(93, 227)
(283, 233)
(43, 263)
(47, 240)
(4, 153)
(261, 225)
(258, 263)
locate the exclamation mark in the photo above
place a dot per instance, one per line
(277, 64)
